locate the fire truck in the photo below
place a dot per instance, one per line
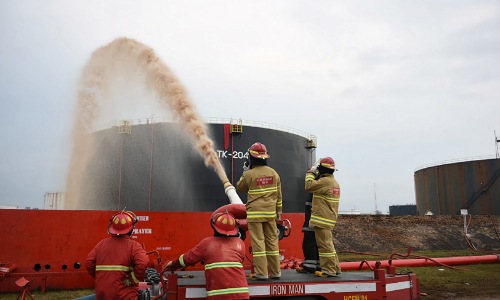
(378, 283)
(359, 281)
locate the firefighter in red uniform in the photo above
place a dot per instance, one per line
(324, 212)
(118, 263)
(264, 206)
(223, 255)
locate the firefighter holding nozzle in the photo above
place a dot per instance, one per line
(223, 255)
(319, 181)
(264, 206)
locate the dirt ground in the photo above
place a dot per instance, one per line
(372, 233)
(381, 234)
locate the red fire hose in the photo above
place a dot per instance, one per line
(422, 262)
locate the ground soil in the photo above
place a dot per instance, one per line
(372, 233)
(382, 234)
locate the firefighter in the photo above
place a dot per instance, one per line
(118, 263)
(310, 264)
(223, 256)
(264, 206)
(320, 181)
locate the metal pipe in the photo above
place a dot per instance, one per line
(151, 164)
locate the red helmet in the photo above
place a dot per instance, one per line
(122, 223)
(258, 150)
(327, 162)
(225, 224)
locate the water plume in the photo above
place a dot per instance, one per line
(135, 59)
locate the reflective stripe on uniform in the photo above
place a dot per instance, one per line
(319, 220)
(279, 203)
(327, 254)
(111, 268)
(227, 291)
(181, 260)
(329, 199)
(261, 214)
(223, 265)
(132, 274)
(118, 268)
(265, 253)
(259, 253)
(263, 191)
(310, 176)
(272, 253)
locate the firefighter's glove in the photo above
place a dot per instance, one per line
(313, 169)
(168, 267)
(127, 282)
(311, 226)
(246, 166)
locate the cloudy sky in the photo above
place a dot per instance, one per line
(386, 86)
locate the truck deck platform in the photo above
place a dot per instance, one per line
(351, 285)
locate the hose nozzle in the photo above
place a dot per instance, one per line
(231, 193)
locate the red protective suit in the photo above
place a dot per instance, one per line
(223, 257)
(118, 263)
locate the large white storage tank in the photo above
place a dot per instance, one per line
(54, 201)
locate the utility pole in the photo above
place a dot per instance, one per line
(497, 140)
(375, 193)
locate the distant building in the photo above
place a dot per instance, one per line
(54, 201)
(350, 212)
(9, 207)
(403, 210)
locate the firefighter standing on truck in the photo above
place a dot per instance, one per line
(118, 263)
(324, 213)
(223, 255)
(310, 264)
(264, 205)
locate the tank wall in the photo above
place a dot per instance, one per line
(472, 185)
(156, 168)
(289, 157)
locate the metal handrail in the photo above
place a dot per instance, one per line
(211, 120)
(215, 120)
(457, 160)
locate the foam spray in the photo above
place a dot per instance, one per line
(136, 58)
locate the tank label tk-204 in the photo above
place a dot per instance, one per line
(234, 154)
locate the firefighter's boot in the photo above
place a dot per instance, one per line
(325, 274)
(257, 277)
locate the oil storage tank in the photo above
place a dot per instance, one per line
(153, 166)
(447, 188)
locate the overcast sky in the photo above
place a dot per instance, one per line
(386, 86)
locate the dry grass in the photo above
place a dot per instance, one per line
(471, 281)
(481, 281)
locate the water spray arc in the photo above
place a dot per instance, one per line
(134, 58)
